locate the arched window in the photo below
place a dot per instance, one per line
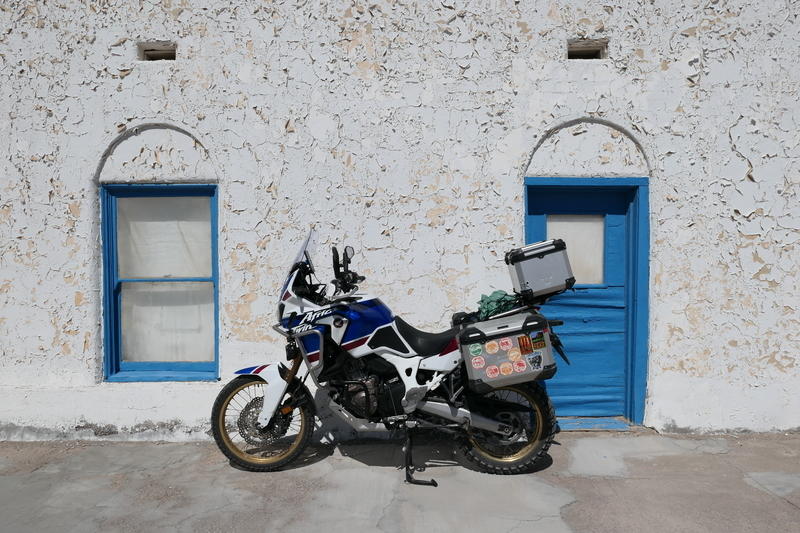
(159, 259)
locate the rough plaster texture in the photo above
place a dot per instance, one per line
(406, 129)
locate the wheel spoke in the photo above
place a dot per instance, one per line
(252, 442)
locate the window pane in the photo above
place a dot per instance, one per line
(168, 321)
(584, 235)
(164, 237)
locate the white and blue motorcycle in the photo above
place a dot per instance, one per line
(479, 380)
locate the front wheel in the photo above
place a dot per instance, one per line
(234, 423)
(533, 429)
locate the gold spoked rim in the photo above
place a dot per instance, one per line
(242, 436)
(528, 428)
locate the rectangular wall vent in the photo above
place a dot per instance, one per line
(157, 51)
(587, 49)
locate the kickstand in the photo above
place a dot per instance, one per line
(410, 464)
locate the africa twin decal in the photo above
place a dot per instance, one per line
(309, 318)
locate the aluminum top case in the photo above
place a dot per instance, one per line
(508, 350)
(541, 269)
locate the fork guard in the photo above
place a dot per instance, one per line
(275, 386)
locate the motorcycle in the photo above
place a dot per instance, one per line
(376, 371)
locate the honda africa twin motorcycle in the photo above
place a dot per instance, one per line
(380, 372)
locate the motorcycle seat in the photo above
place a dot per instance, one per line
(422, 342)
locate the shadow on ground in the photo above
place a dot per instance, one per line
(431, 450)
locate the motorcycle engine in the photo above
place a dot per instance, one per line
(361, 398)
(378, 392)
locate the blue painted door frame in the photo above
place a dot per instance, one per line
(581, 194)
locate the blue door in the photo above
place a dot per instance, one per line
(603, 333)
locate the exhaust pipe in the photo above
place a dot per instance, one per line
(463, 416)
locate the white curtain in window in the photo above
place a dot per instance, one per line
(168, 321)
(165, 237)
(584, 236)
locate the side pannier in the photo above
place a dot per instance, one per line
(508, 350)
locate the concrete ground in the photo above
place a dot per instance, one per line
(592, 482)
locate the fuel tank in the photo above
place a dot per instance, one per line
(363, 316)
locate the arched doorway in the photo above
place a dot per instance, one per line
(587, 183)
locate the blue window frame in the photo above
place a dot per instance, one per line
(152, 300)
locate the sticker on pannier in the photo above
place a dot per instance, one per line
(525, 345)
(537, 342)
(506, 351)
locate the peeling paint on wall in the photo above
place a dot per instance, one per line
(402, 129)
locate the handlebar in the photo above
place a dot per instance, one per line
(345, 280)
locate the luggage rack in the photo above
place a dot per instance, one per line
(512, 311)
(552, 323)
(526, 303)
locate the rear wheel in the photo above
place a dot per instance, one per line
(234, 423)
(532, 433)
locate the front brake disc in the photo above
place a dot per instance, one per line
(254, 433)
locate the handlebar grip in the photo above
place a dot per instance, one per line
(555, 322)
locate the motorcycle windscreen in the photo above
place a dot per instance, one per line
(307, 248)
(303, 254)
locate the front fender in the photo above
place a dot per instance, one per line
(252, 370)
(274, 388)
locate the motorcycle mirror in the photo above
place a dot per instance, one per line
(336, 266)
(349, 253)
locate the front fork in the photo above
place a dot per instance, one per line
(275, 388)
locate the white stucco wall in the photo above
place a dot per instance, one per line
(404, 129)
